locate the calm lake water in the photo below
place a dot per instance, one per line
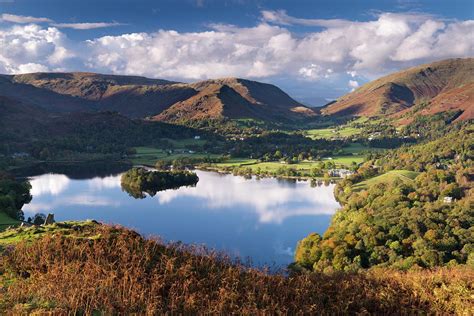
(257, 219)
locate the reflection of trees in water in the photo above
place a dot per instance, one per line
(75, 170)
(138, 181)
(318, 182)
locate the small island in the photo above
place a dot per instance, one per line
(138, 181)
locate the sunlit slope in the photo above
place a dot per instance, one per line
(435, 87)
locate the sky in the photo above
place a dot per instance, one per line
(315, 50)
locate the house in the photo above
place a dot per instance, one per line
(341, 173)
(197, 137)
(448, 199)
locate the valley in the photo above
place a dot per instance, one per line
(374, 190)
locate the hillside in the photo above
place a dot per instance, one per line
(121, 272)
(140, 97)
(132, 96)
(42, 98)
(426, 89)
(19, 121)
(235, 98)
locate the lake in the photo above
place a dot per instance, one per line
(260, 220)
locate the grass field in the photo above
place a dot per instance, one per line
(404, 175)
(275, 165)
(346, 160)
(150, 155)
(237, 162)
(331, 132)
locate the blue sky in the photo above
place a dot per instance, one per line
(314, 50)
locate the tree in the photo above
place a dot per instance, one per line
(13, 195)
(39, 219)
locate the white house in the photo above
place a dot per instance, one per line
(342, 173)
(448, 199)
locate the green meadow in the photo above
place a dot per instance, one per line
(388, 177)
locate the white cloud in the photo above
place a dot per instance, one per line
(353, 84)
(419, 44)
(282, 18)
(352, 73)
(315, 72)
(23, 19)
(340, 49)
(30, 48)
(85, 26)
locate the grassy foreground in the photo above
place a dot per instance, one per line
(91, 268)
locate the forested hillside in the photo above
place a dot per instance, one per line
(421, 216)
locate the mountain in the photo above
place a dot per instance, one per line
(426, 89)
(235, 98)
(132, 96)
(48, 100)
(139, 97)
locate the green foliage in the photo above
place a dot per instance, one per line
(13, 195)
(273, 146)
(400, 218)
(138, 181)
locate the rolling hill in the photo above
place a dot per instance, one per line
(426, 89)
(140, 97)
(132, 96)
(235, 98)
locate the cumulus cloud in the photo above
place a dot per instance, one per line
(31, 48)
(368, 48)
(337, 48)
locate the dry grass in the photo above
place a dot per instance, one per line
(113, 270)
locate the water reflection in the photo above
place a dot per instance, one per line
(262, 219)
(272, 203)
(52, 184)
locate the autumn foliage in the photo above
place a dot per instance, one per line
(112, 270)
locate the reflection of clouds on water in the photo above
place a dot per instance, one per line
(60, 202)
(258, 219)
(272, 201)
(55, 185)
(52, 184)
(109, 182)
(281, 250)
(273, 204)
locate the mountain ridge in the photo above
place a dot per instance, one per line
(442, 86)
(140, 97)
(235, 98)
